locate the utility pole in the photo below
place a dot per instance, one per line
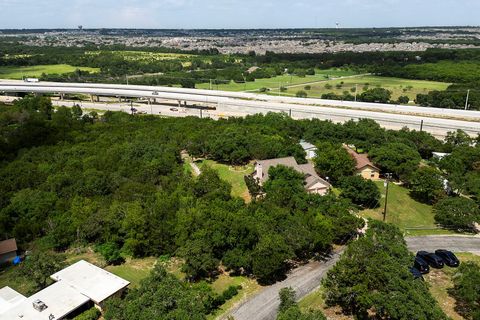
(421, 126)
(388, 176)
(466, 102)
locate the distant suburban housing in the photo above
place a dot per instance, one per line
(313, 183)
(8, 250)
(77, 288)
(364, 167)
(309, 149)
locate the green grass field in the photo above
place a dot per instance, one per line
(398, 86)
(36, 71)
(279, 81)
(405, 212)
(233, 175)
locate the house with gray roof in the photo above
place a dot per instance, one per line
(313, 182)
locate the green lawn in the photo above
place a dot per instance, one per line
(280, 81)
(36, 71)
(234, 175)
(134, 270)
(405, 212)
(315, 301)
(398, 86)
(249, 287)
(11, 277)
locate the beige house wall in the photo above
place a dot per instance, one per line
(318, 188)
(369, 173)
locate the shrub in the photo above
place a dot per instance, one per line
(301, 94)
(361, 192)
(403, 100)
(457, 213)
(426, 185)
(110, 252)
(91, 314)
(466, 290)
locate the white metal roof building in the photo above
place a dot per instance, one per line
(90, 280)
(59, 299)
(9, 298)
(75, 286)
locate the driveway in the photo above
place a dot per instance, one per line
(306, 279)
(303, 280)
(452, 243)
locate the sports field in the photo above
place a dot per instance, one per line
(280, 81)
(12, 72)
(398, 86)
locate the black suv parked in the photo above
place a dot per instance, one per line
(416, 273)
(421, 265)
(448, 257)
(431, 258)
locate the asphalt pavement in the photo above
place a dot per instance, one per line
(306, 279)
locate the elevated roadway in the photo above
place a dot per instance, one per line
(436, 121)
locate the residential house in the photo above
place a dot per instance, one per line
(77, 288)
(8, 250)
(364, 167)
(309, 149)
(313, 183)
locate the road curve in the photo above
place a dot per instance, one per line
(306, 279)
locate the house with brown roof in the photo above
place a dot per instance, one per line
(313, 183)
(364, 167)
(8, 250)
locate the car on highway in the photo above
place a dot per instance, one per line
(421, 265)
(432, 259)
(173, 109)
(448, 258)
(155, 93)
(416, 273)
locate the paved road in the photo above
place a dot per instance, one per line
(241, 104)
(303, 280)
(452, 243)
(253, 96)
(306, 279)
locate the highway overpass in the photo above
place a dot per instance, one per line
(435, 120)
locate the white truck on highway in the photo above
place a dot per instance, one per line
(31, 80)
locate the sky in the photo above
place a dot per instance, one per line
(243, 14)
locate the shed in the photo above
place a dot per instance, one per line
(8, 250)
